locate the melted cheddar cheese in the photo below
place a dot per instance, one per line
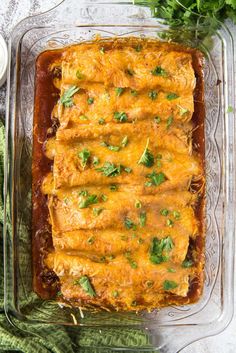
(119, 195)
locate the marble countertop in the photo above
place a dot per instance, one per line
(11, 12)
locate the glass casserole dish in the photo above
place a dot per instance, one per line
(53, 30)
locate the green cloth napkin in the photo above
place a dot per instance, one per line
(48, 338)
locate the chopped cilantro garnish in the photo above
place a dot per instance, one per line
(129, 224)
(90, 100)
(83, 117)
(66, 99)
(138, 48)
(97, 211)
(83, 193)
(110, 169)
(104, 197)
(101, 121)
(155, 179)
(171, 270)
(187, 263)
(132, 263)
(84, 282)
(169, 121)
(124, 142)
(182, 110)
(164, 212)
(91, 199)
(171, 96)
(134, 92)
(66, 200)
(169, 223)
(79, 75)
(159, 71)
(95, 160)
(157, 120)
(115, 293)
(152, 95)
(168, 285)
(91, 240)
(138, 204)
(121, 117)
(140, 241)
(84, 156)
(113, 187)
(159, 249)
(143, 219)
(129, 72)
(119, 91)
(149, 284)
(176, 214)
(110, 147)
(147, 157)
(102, 50)
(128, 170)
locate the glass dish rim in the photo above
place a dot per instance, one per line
(7, 131)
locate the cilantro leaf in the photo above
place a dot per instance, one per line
(66, 99)
(91, 199)
(119, 91)
(84, 282)
(152, 95)
(171, 96)
(169, 121)
(90, 100)
(155, 179)
(187, 263)
(110, 169)
(110, 147)
(121, 117)
(129, 224)
(79, 75)
(159, 249)
(159, 71)
(84, 156)
(147, 157)
(143, 219)
(168, 285)
(124, 141)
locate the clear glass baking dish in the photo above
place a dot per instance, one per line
(168, 329)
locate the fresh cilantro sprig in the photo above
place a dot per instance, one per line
(159, 249)
(66, 98)
(85, 284)
(201, 18)
(147, 157)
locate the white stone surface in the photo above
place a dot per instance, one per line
(11, 12)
